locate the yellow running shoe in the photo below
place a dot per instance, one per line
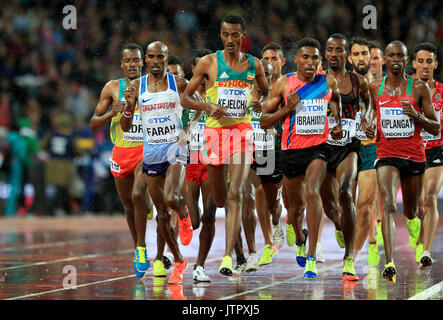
(418, 251)
(390, 273)
(159, 269)
(349, 270)
(268, 253)
(414, 231)
(226, 266)
(311, 268)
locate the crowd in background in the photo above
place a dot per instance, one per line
(51, 78)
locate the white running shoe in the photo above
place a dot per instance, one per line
(199, 274)
(320, 257)
(278, 237)
(168, 259)
(425, 260)
(252, 263)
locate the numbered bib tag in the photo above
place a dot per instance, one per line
(349, 131)
(135, 133)
(162, 129)
(311, 117)
(235, 100)
(395, 124)
(262, 139)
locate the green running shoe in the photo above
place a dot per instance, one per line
(414, 231)
(418, 251)
(159, 269)
(311, 268)
(290, 235)
(373, 256)
(268, 253)
(340, 238)
(301, 250)
(379, 235)
(226, 266)
(349, 270)
(390, 273)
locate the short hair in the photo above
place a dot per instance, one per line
(358, 40)
(234, 19)
(338, 36)
(396, 42)
(273, 46)
(172, 59)
(428, 46)
(374, 44)
(307, 42)
(130, 46)
(200, 53)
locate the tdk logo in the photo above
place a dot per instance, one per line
(255, 125)
(160, 119)
(346, 122)
(312, 108)
(234, 92)
(394, 112)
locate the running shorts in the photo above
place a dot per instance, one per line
(295, 162)
(406, 167)
(124, 160)
(434, 157)
(336, 154)
(368, 155)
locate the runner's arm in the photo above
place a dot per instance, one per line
(271, 115)
(131, 96)
(263, 88)
(335, 104)
(369, 116)
(182, 83)
(101, 116)
(428, 120)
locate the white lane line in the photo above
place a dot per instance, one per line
(429, 293)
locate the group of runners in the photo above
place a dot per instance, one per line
(337, 143)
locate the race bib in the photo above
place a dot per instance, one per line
(310, 117)
(359, 134)
(349, 131)
(395, 124)
(135, 133)
(196, 137)
(162, 129)
(262, 139)
(430, 137)
(235, 100)
(115, 167)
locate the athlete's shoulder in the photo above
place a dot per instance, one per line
(438, 85)
(374, 85)
(420, 84)
(181, 83)
(332, 82)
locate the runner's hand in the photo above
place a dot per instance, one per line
(337, 132)
(256, 105)
(129, 94)
(217, 111)
(293, 100)
(409, 110)
(118, 107)
(368, 130)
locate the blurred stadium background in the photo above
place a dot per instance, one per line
(51, 77)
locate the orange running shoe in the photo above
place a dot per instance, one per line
(177, 274)
(185, 229)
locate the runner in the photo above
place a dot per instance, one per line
(425, 62)
(228, 130)
(403, 107)
(305, 96)
(164, 152)
(175, 66)
(377, 60)
(343, 154)
(126, 164)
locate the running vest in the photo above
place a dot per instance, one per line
(430, 140)
(307, 125)
(161, 115)
(350, 106)
(397, 134)
(132, 138)
(263, 141)
(232, 90)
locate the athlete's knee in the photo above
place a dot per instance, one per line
(430, 201)
(138, 196)
(235, 194)
(170, 200)
(345, 196)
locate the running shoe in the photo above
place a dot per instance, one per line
(390, 273)
(177, 274)
(159, 269)
(340, 238)
(290, 235)
(311, 268)
(414, 231)
(142, 263)
(278, 237)
(199, 274)
(379, 235)
(418, 251)
(240, 267)
(226, 266)
(301, 250)
(150, 214)
(373, 256)
(319, 253)
(252, 262)
(137, 273)
(167, 259)
(349, 270)
(185, 229)
(425, 260)
(268, 253)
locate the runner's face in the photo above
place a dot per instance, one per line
(132, 63)
(273, 56)
(156, 58)
(360, 58)
(377, 62)
(232, 36)
(425, 63)
(396, 58)
(336, 53)
(269, 72)
(175, 69)
(308, 60)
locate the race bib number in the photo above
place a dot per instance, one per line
(349, 130)
(311, 117)
(262, 139)
(235, 100)
(395, 124)
(430, 137)
(115, 167)
(135, 133)
(162, 129)
(359, 134)
(196, 137)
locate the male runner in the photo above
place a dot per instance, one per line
(425, 62)
(127, 152)
(175, 66)
(305, 96)
(196, 180)
(343, 154)
(164, 155)
(367, 177)
(227, 133)
(377, 60)
(403, 106)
